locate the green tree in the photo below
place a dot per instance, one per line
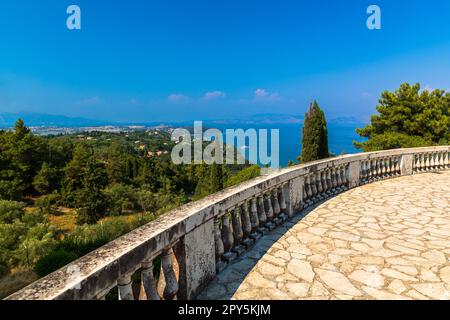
(91, 200)
(11, 210)
(74, 172)
(21, 157)
(216, 178)
(408, 117)
(121, 199)
(244, 175)
(315, 135)
(47, 179)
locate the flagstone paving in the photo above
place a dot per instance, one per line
(386, 240)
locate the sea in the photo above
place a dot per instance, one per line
(340, 138)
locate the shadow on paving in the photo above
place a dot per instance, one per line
(226, 283)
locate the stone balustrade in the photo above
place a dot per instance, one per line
(176, 256)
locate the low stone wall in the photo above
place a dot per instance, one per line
(198, 240)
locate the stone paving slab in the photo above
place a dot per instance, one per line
(386, 240)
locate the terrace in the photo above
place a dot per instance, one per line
(366, 226)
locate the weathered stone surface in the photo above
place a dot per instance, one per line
(371, 279)
(301, 269)
(363, 244)
(337, 281)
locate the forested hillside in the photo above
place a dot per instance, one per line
(63, 196)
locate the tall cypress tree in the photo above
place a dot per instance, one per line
(216, 178)
(315, 135)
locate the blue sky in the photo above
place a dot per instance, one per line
(170, 60)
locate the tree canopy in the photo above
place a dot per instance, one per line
(315, 135)
(408, 117)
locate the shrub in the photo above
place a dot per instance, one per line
(244, 175)
(11, 210)
(53, 261)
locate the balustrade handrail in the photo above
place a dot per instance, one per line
(232, 220)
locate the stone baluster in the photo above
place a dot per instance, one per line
(308, 190)
(148, 281)
(219, 247)
(238, 234)
(441, 160)
(334, 180)
(422, 162)
(283, 203)
(286, 191)
(339, 179)
(255, 235)
(325, 183)
(389, 167)
(125, 288)
(382, 167)
(398, 170)
(276, 207)
(167, 265)
(372, 170)
(313, 185)
(434, 160)
(228, 238)
(305, 196)
(363, 172)
(437, 160)
(345, 177)
(262, 214)
(415, 163)
(329, 184)
(446, 160)
(378, 166)
(427, 162)
(269, 211)
(430, 161)
(368, 170)
(246, 226)
(319, 184)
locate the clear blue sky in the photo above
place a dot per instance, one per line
(144, 60)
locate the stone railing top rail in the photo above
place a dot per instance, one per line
(102, 267)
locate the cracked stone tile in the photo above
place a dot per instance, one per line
(338, 282)
(301, 269)
(370, 242)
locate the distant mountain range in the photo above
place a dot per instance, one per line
(7, 120)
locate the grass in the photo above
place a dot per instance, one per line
(64, 220)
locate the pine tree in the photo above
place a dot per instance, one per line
(315, 135)
(91, 199)
(216, 178)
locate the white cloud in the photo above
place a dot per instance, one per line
(177, 98)
(214, 95)
(90, 101)
(366, 95)
(262, 95)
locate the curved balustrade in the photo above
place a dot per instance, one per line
(191, 244)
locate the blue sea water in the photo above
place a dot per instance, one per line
(340, 138)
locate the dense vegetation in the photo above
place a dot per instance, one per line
(315, 135)
(112, 182)
(408, 117)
